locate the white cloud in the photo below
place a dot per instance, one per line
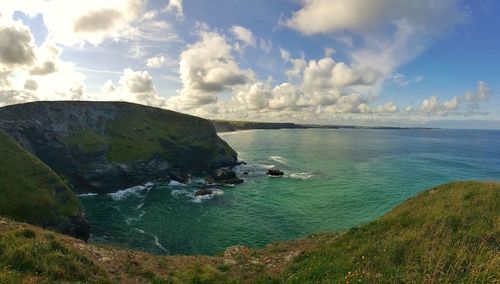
(265, 45)
(328, 16)
(206, 69)
(432, 106)
(156, 62)
(244, 35)
(176, 5)
(108, 87)
(137, 81)
(482, 94)
(285, 54)
(403, 81)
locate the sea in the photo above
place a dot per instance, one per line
(335, 179)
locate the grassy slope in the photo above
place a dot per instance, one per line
(30, 191)
(447, 234)
(140, 132)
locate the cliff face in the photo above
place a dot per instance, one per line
(230, 126)
(107, 146)
(31, 192)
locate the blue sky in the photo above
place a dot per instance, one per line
(382, 62)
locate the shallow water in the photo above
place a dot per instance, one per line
(334, 179)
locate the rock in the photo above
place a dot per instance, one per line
(245, 173)
(203, 192)
(224, 175)
(275, 173)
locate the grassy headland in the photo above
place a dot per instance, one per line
(31, 192)
(447, 234)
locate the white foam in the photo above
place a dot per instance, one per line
(278, 159)
(139, 230)
(175, 183)
(201, 198)
(122, 194)
(139, 206)
(177, 192)
(157, 243)
(87, 194)
(302, 176)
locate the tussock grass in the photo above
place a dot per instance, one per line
(448, 234)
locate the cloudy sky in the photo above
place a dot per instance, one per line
(377, 62)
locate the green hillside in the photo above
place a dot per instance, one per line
(31, 192)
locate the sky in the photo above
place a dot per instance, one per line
(356, 62)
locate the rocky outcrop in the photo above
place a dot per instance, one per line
(224, 175)
(107, 146)
(275, 173)
(31, 192)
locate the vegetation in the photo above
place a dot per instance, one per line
(447, 234)
(30, 191)
(140, 133)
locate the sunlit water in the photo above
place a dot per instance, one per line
(335, 179)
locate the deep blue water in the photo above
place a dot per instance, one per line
(335, 179)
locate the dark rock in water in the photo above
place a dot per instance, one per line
(103, 147)
(245, 173)
(224, 173)
(275, 173)
(239, 163)
(203, 192)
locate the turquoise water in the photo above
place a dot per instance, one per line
(335, 179)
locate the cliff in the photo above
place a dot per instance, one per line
(31, 192)
(107, 146)
(448, 234)
(229, 126)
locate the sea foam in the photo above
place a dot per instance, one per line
(122, 194)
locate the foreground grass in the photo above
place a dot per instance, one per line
(448, 234)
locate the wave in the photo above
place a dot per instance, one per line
(175, 183)
(139, 230)
(157, 243)
(302, 176)
(201, 198)
(87, 194)
(122, 194)
(177, 192)
(278, 159)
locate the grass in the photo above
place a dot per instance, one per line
(449, 234)
(30, 191)
(140, 133)
(26, 255)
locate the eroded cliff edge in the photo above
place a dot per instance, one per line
(107, 146)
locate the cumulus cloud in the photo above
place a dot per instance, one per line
(482, 94)
(244, 35)
(137, 81)
(207, 68)
(432, 106)
(326, 74)
(156, 62)
(16, 44)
